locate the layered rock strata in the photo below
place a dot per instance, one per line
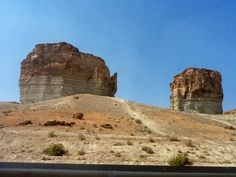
(59, 69)
(197, 90)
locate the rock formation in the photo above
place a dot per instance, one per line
(197, 90)
(60, 69)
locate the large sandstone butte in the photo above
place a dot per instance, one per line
(60, 69)
(197, 90)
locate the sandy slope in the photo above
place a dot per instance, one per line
(208, 139)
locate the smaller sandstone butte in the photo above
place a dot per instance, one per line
(59, 69)
(197, 90)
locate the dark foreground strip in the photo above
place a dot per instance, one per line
(74, 170)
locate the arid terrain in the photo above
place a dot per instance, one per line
(106, 130)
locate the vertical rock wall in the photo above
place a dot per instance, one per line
(59, 69)
(197, 90)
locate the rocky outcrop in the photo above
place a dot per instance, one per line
(60, 69)
(197, 90)
(58, 123)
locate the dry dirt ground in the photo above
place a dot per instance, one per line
(207, 139)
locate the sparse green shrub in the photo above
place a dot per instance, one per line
(51, 134)
(207, 153)
(151, 140)
(81, 128)
(180, 159)
(173, 138)
(147, 150)
(81, 152)
(138, 121)
(117, 154)
(95, 125)
(149, 131)
(142, 156)
(129, 143)
(202, 157)
(188, 142)
(55, 150)
(118, 144)
(82, 136)
(227, 161)
(46, 158)
(97, 137)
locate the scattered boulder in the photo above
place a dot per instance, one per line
(197, 90)
(78, 115)
(58, 123)
(107, 126)
(57, 70)
(26, 122)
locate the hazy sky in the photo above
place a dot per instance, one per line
(146, 41)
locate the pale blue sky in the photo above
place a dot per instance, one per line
(146, 41)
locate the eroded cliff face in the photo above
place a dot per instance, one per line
(60, 69)
(197, 90)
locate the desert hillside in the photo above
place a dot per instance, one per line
(98, 129)
(231, 112)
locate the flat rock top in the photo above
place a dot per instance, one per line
(46, 58)
(198, 83)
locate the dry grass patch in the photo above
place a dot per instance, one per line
(188, 143)
(97, 137)
(81, 152)
(180, 159)
(55, 150)
(82, 136)
(142, 156)
(138, 121)
(52, 134)
(118, 154)
(129, 143)
(147, 150)
(151, 140)
(202, 157)
(173, 138)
